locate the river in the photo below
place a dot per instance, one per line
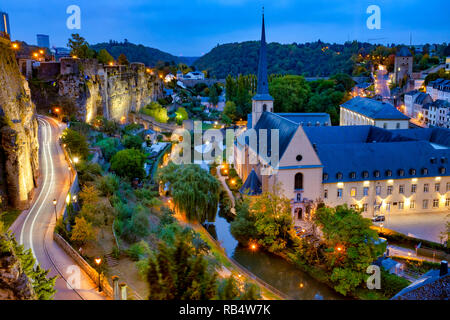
(274, 270)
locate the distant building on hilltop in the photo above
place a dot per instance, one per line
(4, 23)
(364, 111)
(43, 41)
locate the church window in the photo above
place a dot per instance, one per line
(264, 108)
(299, 181)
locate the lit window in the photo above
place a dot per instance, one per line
(447, 202)
(401, 189)
(426, 187)
(412, 204)
(339, 193)
(401, 205)
(388, 206)
(353, 192)
(413, 188)
(436, 203)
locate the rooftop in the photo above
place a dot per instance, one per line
(374, 109)
(404, 52)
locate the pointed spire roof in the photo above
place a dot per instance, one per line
(262, 92)
(252, 186)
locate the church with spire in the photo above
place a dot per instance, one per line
(365, 167)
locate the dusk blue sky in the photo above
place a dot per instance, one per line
(193, 27)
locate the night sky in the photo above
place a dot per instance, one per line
(193, 27)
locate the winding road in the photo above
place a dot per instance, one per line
(34, 228)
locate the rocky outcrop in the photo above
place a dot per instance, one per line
(19, 152)
(14, 283)
(108, 91)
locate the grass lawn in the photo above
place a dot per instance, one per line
(8, 217)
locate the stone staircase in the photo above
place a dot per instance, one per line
(111, 261)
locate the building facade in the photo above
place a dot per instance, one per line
(437, 114)
(366, 167)
(415, 102)
(403, 65)
(439, 89)
(364, 111)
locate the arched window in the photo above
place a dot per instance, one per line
(299, 181)
(264, 108)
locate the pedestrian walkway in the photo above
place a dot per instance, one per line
(227, 189)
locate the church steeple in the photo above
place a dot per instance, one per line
(262, 101)
(263, 82)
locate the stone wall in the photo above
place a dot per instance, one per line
(108, 91)
(19, 152)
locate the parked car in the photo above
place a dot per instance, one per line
(379, 219)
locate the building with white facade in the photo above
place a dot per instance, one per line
(364, 111)
(439, 89)
(437, 114)
(414, 103)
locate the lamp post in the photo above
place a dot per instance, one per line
(54, 206)
(98, 261)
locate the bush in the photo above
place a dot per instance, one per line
(138, 251)
(76, 143)
(108, 184)
(132, 142)
(391, 284)
(109, 147)
(88, 171)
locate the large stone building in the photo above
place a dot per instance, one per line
(364, 111)
(376, 170)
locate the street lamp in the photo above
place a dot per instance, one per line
(98, 261)
(54, 206)
(76, 160)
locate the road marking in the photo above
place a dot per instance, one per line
(30, 212)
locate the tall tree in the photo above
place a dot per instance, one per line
(104, 57)
(79, 47)
(123, 60)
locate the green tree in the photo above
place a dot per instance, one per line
(76, 143)
(351, 245)
(195, 191)
(79, 47)
(230, 111)
(82, 231)
(291, 93)
(104, 57)
(180, 273)
(243, 226)
(132, 142)
(181, 115)
(213, 95)
(129, 163)
(109, 147)
(156, 111)
(123, 60)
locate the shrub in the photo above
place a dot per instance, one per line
(129, 163)
(108, 184)
(76, 143)
(391, 284)
(138, 251)
(132, 142)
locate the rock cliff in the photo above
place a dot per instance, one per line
(92, 89)
(19, 152)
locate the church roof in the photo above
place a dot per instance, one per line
(262, 92)
(252, 186)
(374, 109)
(308, 119)
(286, 127)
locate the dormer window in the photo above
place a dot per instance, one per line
(424, 171)
(442, 170)
(388, 173)
(352, 175)
(433, 160)
(401, 172)
(365, 174)
(339, 176)
(412, 172)
(376, 174)
(325, 176)
(444, 160)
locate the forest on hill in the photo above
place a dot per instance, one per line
(316, 59)
(140, 53)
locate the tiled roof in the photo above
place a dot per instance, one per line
(404, 52)
(374, 109)
(358, 153)
(421, 98)
(308, 119)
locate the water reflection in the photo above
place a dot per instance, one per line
(272, 269)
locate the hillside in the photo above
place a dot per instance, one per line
(315, 59)
(140, 53)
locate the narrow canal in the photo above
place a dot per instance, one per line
(272, 269)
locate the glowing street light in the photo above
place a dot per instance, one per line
(54, 206)
(76, 160)
(15, 46)
(98, 261)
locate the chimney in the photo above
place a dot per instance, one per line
(444, 268)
